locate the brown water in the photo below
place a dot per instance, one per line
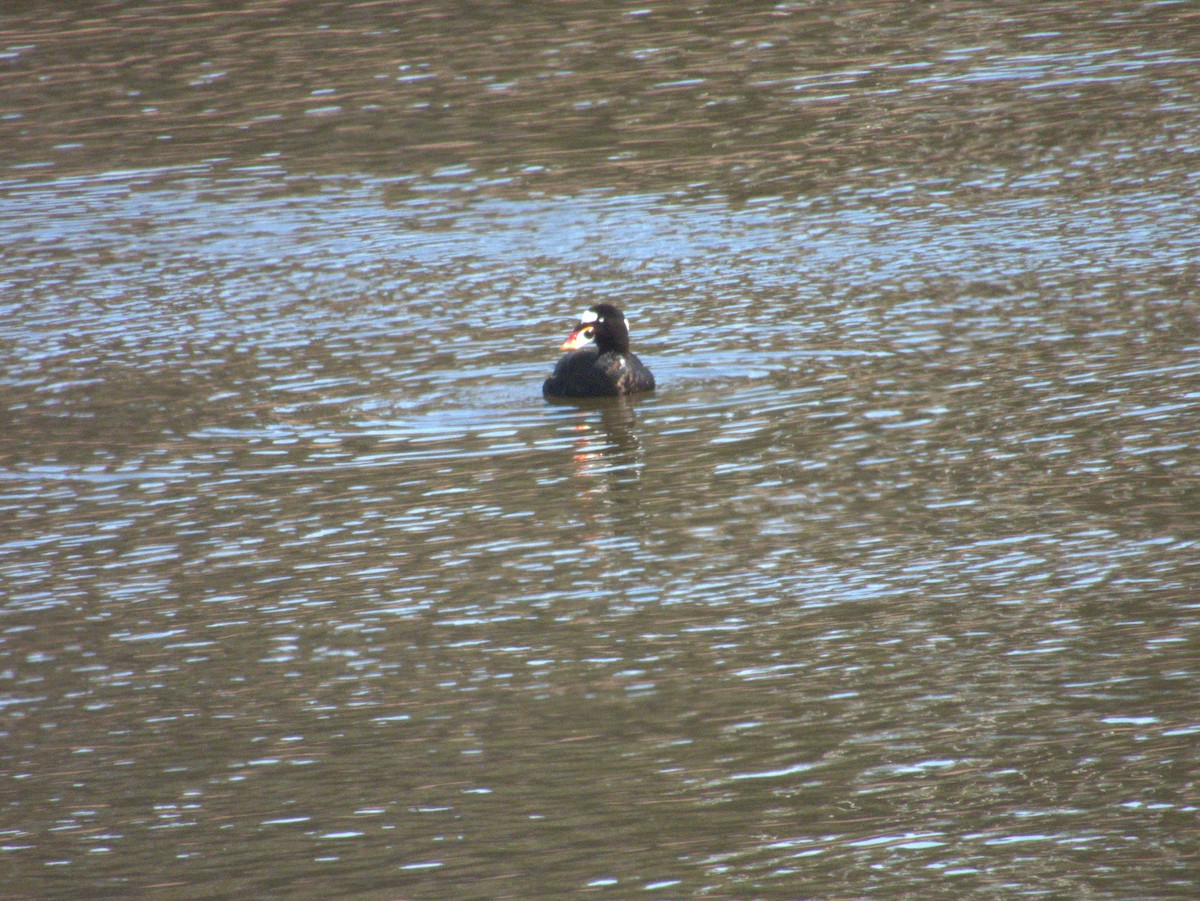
(890, 590)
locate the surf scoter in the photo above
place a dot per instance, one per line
(598, 362)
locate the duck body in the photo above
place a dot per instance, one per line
(598, 362)
(590, 372)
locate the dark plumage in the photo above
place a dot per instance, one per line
(598, 362)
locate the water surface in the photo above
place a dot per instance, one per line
(889, 588)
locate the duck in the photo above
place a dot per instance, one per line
(598, 362)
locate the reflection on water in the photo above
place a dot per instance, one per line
(888, 588)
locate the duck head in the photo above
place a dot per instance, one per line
(603, 325)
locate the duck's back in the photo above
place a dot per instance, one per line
(589, 373)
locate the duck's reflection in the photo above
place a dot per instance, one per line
(608, 457)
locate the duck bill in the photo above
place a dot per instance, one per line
(576, 340)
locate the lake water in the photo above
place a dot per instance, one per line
(891, 589)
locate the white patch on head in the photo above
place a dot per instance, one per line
(589, 316)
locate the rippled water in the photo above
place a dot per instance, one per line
(889, 589)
